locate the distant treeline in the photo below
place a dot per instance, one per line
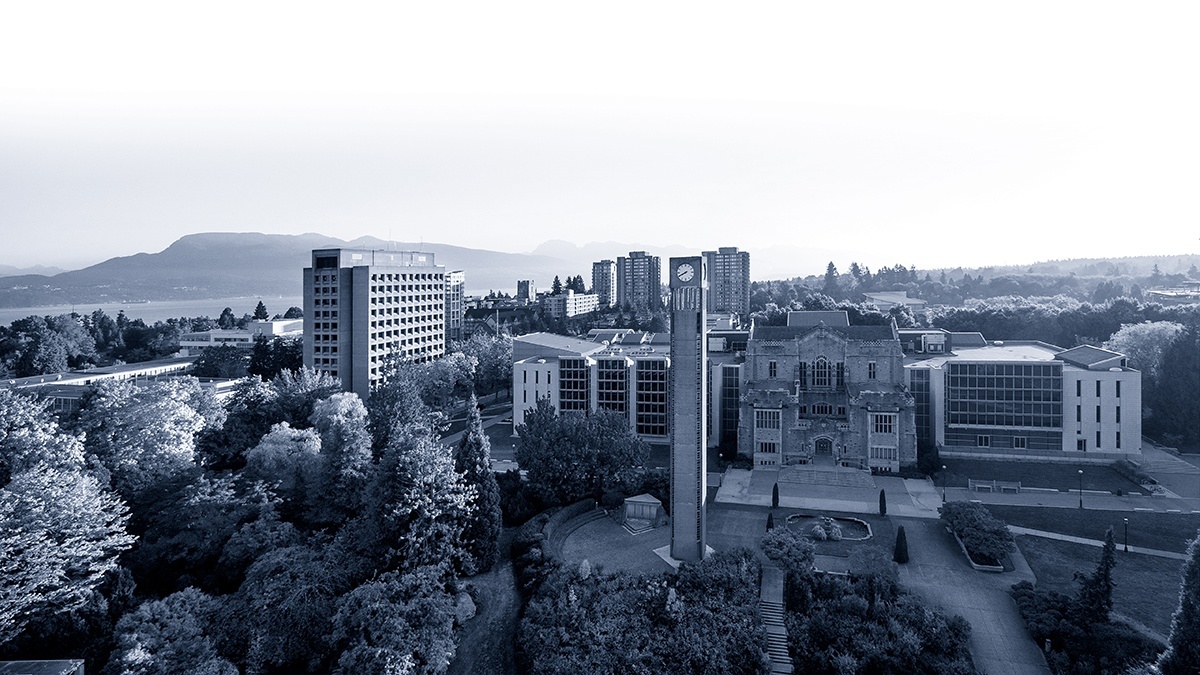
(38, 345)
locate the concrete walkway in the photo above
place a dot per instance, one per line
(938, 573)
(1094, 542)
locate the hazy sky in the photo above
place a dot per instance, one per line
(935, 134)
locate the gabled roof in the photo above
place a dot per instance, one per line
(813, 318)
(857, 333)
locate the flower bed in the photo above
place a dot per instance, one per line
(846, 529)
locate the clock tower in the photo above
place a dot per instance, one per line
(689, 357)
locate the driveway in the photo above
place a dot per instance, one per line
(938, 572)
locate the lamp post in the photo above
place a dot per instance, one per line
(1081, 488)
(943, 483)
(1127, 535)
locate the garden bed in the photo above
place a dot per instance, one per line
(850, 529)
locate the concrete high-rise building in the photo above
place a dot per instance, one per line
(728, 280)
(689, 357)
(456, 283)
(363, 306)
(526, 291)
(639, 281)
(604, 282)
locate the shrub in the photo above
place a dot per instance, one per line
(775, 496)
(612, 499)
(987, 539)
(900, 555)
(770, 521)
(882, 503)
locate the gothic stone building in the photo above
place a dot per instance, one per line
(821, 388)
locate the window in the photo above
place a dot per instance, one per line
(804, 374)
(1020, 443)
(1118, 414)
(870, 370)
(1097, 414)
(768, 447)
(772, 369)
(886, 454)
(1081, 445)
(883, 423)
(841, 374)
(1097, 388)
(767, 419)
(841, 411)
(1097, 439)
(1078, 413)
(1079, 388)
(983, 441)
(1118, 440)
(822, 409)
(821, 373)
(1118, 389)
(525, 377)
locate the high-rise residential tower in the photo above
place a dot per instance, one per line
(639, 281)
(689, 356)
(604, 282)
(363, 306)
(455, 305)
(729, 280)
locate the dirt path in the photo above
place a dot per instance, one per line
(488, 640)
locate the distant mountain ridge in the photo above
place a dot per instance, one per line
(217, 265)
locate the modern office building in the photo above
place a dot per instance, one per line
(191, 344)
(819, 389)
(639, 281)
(728, 280)
(604, 282)
(619, 370)
(364, 307)
(456, 283)
(1025, 398)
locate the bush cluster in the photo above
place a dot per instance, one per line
(986, 538)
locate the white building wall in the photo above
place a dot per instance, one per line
(1080, 404)
(533, 379)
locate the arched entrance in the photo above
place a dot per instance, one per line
(824, 446)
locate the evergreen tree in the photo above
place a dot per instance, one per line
(557, 286)
(1094, 600)
(882, 503)
(775, 496)
(770, 521)
(227, 320)
(900, 554)
(1183, 647)
(260, 312)
(473, 460)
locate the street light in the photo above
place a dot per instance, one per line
(1127, 535)
(943, 483)
(1081, 488)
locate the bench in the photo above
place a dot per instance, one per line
(994, 485)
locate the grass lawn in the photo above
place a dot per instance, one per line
(1037, 474)
(1162, 531)
(502, 441)
(1146, 588)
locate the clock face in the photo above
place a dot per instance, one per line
(685, 272)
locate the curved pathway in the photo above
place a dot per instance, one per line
(938, 572)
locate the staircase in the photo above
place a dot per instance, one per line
(771, 605)
(812, 474)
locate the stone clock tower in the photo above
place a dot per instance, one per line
(689, 356)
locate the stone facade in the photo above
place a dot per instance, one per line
(826, 390)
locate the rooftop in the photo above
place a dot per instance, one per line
(1011, 351)
(809, 319)
(1086, 356)
(862, 333)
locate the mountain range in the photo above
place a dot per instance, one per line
(218, 265)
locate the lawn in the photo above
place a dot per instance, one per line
(1037, 474)
(1162, 531)
(1146, 588)
(502, 441)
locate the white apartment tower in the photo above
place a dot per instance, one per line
(639, 281)
(604, 282)
(455, 305)
(363, 306)
(729, 280)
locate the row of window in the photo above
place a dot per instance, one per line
(1079, 414)
(1079, 388)
(423, 276)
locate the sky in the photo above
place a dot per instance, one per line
(925, 133)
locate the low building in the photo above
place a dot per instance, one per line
(191, 344)
(1022, 398)
(569, 303)
(885, 300)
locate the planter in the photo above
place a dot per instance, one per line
(977, 566)
(853, 529)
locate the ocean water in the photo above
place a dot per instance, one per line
(159, 310)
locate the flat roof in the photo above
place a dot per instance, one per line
(1013, 351)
